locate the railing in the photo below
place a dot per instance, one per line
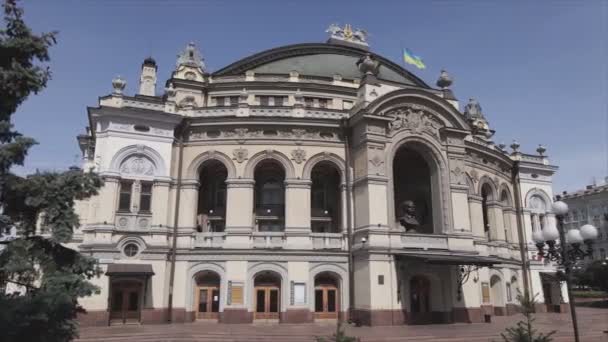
(209, 240)
(328, 241)
(268, 239)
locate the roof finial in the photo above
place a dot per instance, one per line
(190, 56)
(445, 80)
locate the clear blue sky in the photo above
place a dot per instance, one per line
(538, 68)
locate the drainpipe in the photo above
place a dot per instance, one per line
(349, 225)
(180, 141)
(525, 265)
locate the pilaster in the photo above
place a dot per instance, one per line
(239, 211)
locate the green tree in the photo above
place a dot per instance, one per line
(598, 274)
(50, 276)
(524, 330)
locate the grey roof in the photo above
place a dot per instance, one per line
(320, 60)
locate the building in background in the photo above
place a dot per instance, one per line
(307, 182)
(590, 206)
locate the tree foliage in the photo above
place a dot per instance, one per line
(596, 275)
(524, 330)
(49, 276)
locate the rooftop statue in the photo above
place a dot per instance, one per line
(473, 110)
(347, 33)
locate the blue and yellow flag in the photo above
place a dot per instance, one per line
(410, 58)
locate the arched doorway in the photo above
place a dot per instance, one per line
(267, 296)
(327, 296)
(269, 196)
(211, 213)
(413, 193)
(420, 300)
(496, 295)
(325, 201)
(126, 301)
(207, 295)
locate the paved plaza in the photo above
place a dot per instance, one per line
(592, 323)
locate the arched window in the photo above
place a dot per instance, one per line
(413, 195)
(486, 196)
(269, 196)
(325, 201)
(135, 192)
(212, 197)
(538, 211)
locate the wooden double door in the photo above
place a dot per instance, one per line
(267, 302)
(125, 302)
(420, 301)
(207, 302)
(326, 302)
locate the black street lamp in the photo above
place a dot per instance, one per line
(569, 250)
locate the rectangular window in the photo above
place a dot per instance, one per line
(145, 197)
(234, 100)
(323, 103)
(220, 101)
(381, 279)
(124, 201)
(485, 292)
(264, 101)
(299, 293)
(509, 295)
(278, 100)
(308, 101)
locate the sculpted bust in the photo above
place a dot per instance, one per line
(408, 220)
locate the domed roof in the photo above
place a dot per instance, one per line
(150, 61)
(320, 60)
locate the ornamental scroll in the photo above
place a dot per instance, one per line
(414, 118)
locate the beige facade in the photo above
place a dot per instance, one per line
(308, 182)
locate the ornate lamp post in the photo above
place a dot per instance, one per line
(569, 250)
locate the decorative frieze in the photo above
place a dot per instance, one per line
(240, 154)
(137, 165)
(457, 172)
(298, 155)
(242, 134)
(414, 118)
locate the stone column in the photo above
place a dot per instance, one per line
(297, 213)
(104, 209)
(497, 228)
(188, 204)
(160, 204)
(476, 213)
(239, 211)
(344, 207)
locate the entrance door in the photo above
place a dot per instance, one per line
(125, 306)
(326, 302)
(267, 302)
(420, 290)
(207, 302)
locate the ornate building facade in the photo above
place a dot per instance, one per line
(590, 206)
(308, 182)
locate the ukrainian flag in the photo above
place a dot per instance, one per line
(410, 58)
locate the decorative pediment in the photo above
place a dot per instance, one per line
(137, 165)
(414, 118)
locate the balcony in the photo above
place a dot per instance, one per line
(328, 241)
(272, 240)
(209, 240)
